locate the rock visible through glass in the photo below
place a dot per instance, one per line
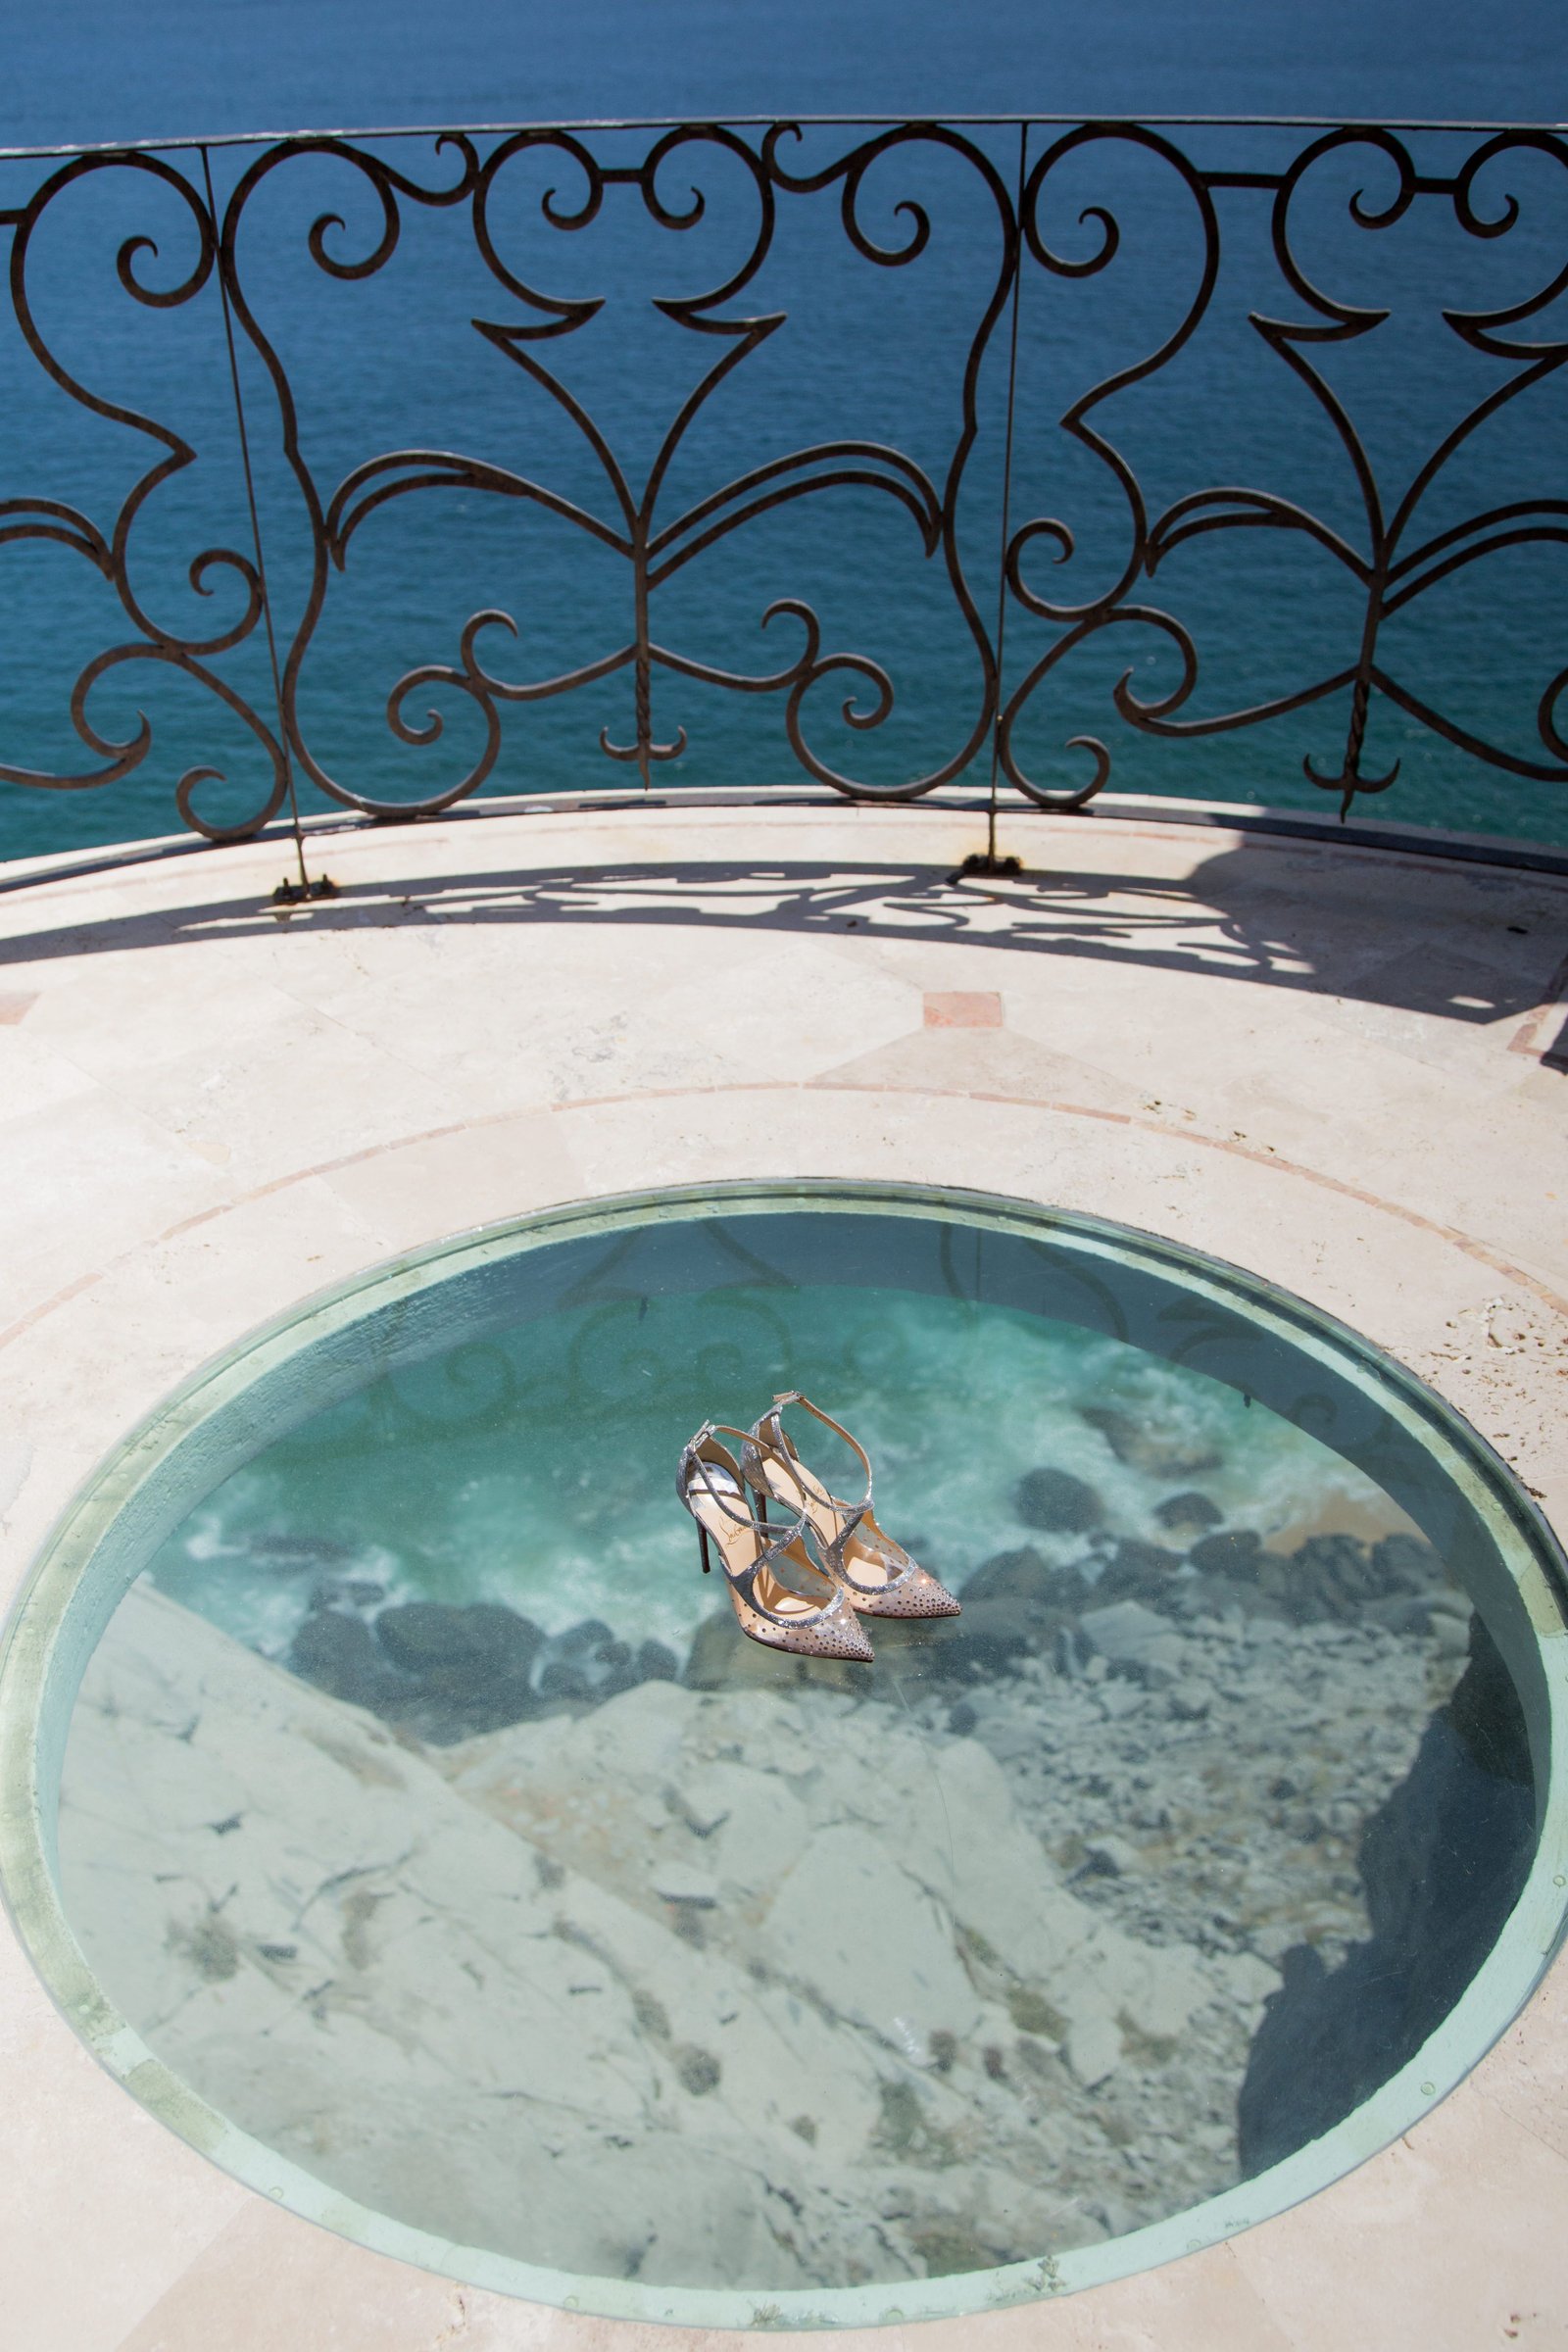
(427, 1811)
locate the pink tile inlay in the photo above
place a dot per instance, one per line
(963, 1008)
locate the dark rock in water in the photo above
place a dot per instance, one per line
(338, 1654)
(1234, 1553)
(1406, 1564)
(1234, 1572)
(1328, 1580)
(1023, 1576)
(992, 1637)
(1331, 1580)
(459, 1670)
(1441, 1863)
(1056, 1503)
(1140, 1572)
(1143, 1444)
(1338, 1578)
(1187, 1513)
(449, 1673)
(484, 1640)
(1014, 1606)
(585, 1662)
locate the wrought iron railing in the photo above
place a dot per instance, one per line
(1239, 503)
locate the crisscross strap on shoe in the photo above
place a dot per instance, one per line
(769, 1433)
(695, 1468)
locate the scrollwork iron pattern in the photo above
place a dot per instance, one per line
(1392, 558)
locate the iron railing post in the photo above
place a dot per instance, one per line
(287, 893)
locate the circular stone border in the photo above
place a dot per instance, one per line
(385, 1315)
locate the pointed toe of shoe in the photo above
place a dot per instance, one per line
(845, 1642)
(836, 1634)
(917, 1595)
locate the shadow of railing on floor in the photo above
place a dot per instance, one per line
(1243, 915)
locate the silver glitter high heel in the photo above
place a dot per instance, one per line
(876, 1574)
(816, 1622)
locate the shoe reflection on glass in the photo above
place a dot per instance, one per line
(782, 1596)
(876, 1574)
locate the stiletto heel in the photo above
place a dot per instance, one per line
(876, 1574)
(764, 1567)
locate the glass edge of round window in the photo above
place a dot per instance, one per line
(103, 1536)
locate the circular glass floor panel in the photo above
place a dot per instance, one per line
(453, 1867)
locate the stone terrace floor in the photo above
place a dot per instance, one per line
(1338, 1067)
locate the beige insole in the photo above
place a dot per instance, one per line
(801, 1491)
(738, 1543)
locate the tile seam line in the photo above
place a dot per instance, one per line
(1514, 2120)
(1480, 1250)
(162, 2294)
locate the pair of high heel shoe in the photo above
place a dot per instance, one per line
(803, 1581)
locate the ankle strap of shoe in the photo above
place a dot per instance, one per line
(794, 1397)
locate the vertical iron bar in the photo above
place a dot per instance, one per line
(1007, 491)
(642, 679)
(256, 530)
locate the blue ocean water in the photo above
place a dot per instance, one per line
(390, 359)
(93, 70)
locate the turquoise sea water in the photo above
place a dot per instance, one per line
(392, 361)
(537, 1469)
